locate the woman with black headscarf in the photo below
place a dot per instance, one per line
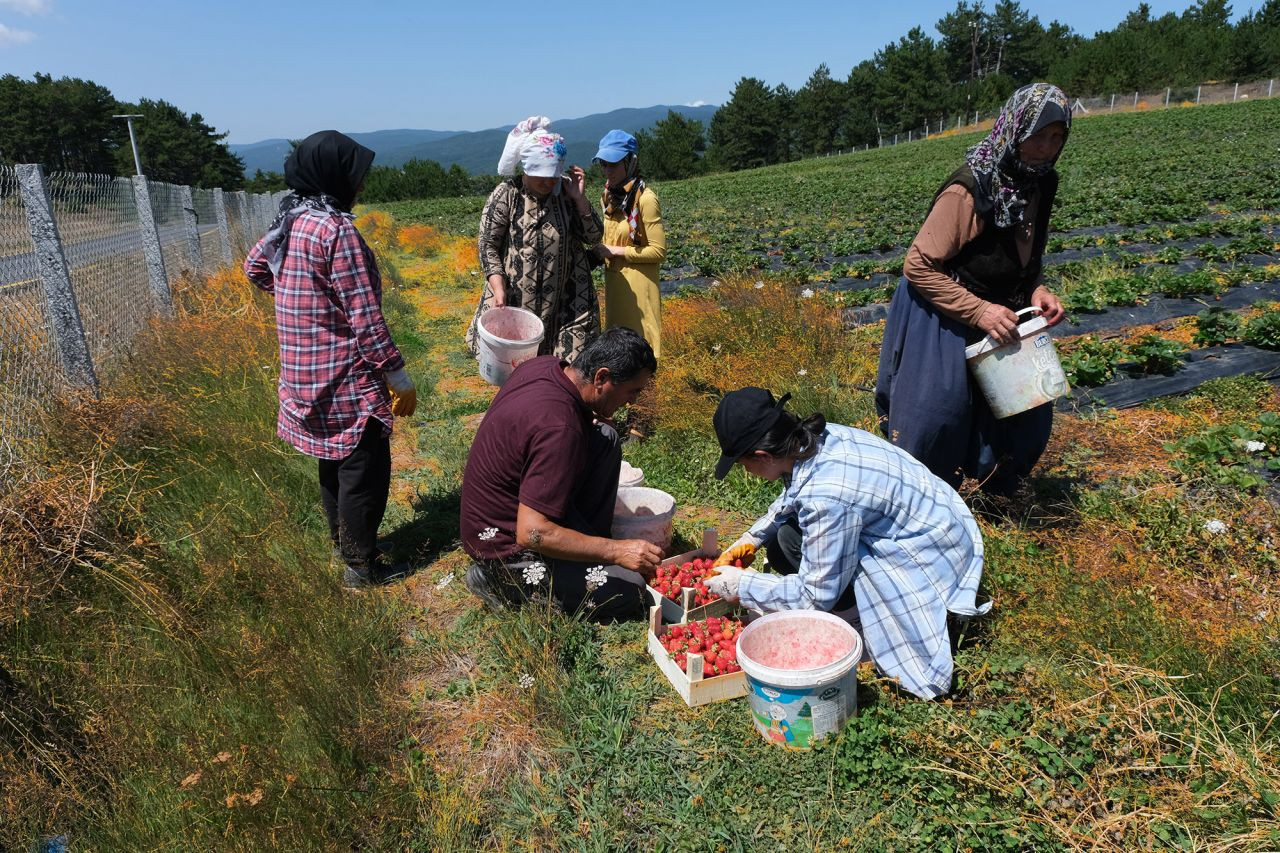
(975, 261)
(341, 377)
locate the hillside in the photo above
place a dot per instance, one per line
(476, 151)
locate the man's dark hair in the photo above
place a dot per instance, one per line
(624, 352)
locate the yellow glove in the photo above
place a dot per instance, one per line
(404, 394)
(744, 551)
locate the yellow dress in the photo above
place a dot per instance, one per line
(631, 296)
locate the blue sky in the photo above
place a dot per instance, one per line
(283, 68)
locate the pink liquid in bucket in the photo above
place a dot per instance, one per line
(506, 338)
(801, 675)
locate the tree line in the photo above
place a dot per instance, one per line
(977, 61)
(67, 126)
(979, 57)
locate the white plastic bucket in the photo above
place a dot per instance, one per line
(644, 513)
(505, 338)
(630, 477)
(802, 678)
(1018, 376)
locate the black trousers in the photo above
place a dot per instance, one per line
(615, 601)
(354, 493)
(783, 551)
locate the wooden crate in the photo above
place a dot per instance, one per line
(683, 610)
(692, 687)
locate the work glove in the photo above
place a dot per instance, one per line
(743, 549)
(725, 583)
(404, 394)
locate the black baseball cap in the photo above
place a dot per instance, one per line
(741, 420)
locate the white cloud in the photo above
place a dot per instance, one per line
(694, 104)
(10, 37)
(28, 7)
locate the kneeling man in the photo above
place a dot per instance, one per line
(542, 477)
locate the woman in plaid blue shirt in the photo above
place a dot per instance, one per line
(860, 523)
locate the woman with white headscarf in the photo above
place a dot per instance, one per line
(976, 261)
(535, 233)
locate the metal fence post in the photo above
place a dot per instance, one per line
(224, 228)
(192, 227)
(1270, 85)
(151, 246)
(1236, 94)
(1198, 88)
(1135, 100)
(1167, 91)
(60, 299)
(1113, 102)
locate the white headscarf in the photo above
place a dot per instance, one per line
(537, 150)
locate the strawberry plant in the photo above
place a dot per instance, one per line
(1232, 455)
(1264, 330)
(1091, 362)
(1215, 326)
(1156, 354)
(716, 639)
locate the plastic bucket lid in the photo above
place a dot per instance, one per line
(1025, 329)
(774, 648)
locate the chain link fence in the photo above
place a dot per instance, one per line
(1138, 101)
(28, 357)
(82, 271)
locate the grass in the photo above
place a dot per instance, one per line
(1124, 668)
(189, 672)
(180, 670)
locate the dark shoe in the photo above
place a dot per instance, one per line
(379, 574)
(477, 582)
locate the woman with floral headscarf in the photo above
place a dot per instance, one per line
(535, 233)
(975, 261)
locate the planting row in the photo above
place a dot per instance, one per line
(1091, 361)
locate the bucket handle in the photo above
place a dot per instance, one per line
(1022, 311)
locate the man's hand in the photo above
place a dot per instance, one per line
(740, 550)
(636, 555)
(404, 394)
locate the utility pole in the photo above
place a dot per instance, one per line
(133, 140)
(973, 50)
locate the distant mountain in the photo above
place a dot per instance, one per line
(268, 155)
(476, 151)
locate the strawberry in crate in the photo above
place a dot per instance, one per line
(715, 638)
(673, 577)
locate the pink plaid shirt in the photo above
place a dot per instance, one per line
(334, 341)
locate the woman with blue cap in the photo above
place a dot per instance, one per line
(535, 234)
(634, 244)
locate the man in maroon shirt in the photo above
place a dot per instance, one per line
(541, 479)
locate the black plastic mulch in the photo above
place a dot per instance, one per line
(1199, 367)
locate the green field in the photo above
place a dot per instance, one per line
(1121, 695)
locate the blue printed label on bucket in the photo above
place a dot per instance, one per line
(795, 718)
(1042, 341)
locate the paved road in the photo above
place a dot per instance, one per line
(19, 272)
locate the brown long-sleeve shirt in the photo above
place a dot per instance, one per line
(951, 224)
